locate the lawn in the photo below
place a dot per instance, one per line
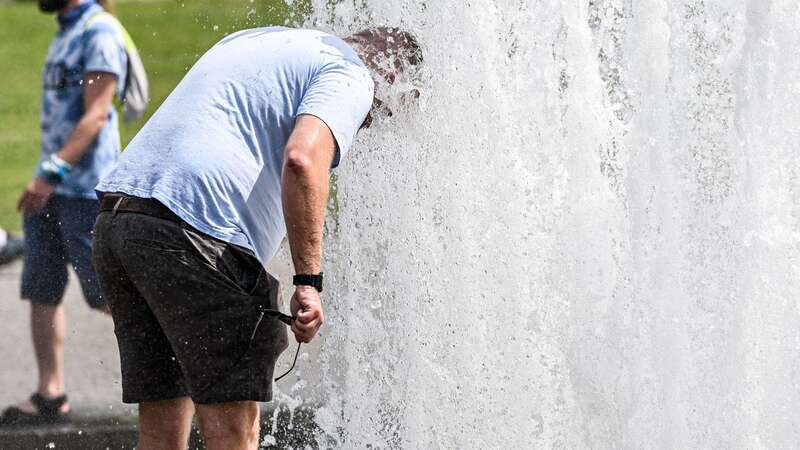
(170, 35)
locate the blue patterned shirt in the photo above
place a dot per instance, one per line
(77, 50)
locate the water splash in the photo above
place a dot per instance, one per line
(586, 234)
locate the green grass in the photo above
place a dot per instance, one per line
(170, 35)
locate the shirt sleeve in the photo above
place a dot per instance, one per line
(104, 51)
(340, 95)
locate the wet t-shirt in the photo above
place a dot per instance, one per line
(81, 47)
(213, 151)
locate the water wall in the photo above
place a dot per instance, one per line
(586, 234)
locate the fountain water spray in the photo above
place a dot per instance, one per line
(584, 235)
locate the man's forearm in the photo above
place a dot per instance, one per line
(305, 194)
(97, 98)
(304, 190)
(82, 136)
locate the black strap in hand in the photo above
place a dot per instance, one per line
(287, 319)
(293, 363)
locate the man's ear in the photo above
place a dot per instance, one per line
(379, 106)
(367, 121)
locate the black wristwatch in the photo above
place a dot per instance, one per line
(305, 279)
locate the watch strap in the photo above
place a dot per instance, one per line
(304, 279)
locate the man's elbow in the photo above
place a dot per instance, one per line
(297, 163)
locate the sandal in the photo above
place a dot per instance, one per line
(48, 412)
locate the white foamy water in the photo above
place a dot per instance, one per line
(586, 235)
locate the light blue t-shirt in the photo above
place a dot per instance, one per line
(213, 152)
(78, 49)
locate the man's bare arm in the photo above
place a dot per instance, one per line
(99, 88)
(306, 169)
(98, 94)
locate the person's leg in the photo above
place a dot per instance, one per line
(44, 279)
(229, 426)
(48, 326)
(206, 302)
(78, 217)
(166, 424)
(150, 372)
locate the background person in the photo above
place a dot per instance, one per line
(85, 67)
(11, 248)
(238, 154)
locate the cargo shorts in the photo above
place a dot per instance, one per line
(186, 310)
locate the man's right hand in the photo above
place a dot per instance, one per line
(306, 306)
(35, 196)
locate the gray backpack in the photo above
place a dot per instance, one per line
(135, 95)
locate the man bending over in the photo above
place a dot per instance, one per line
(237, 157)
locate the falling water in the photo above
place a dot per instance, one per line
(585, 234)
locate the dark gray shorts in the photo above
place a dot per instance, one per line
(186, 311)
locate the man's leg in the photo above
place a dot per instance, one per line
(44, 279)
(151, 375)
(203, 299)
(78, 216)
(229, 426)
(165, 425)
(48, 326)
(59, 232)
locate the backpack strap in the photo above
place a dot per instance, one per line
(104, 15)
(135, 93)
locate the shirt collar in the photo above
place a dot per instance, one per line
(69, 18)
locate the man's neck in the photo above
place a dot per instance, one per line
(70, 6)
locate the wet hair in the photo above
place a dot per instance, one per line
(387, 43)
(381, 45)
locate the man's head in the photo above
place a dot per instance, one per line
(389, 52)
(51, 6)
(61, 6)
(386, 50)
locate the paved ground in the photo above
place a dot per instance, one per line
(91, 359)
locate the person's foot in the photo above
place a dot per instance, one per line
(38, 410)
(28, 407)
(13, 249)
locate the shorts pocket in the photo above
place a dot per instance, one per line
(246, 273)
(153, 245)
(156, 254)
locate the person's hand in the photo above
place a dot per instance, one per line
(306, 306)
(35, 196)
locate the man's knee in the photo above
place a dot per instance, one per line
(232, 420)
(167, 420)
